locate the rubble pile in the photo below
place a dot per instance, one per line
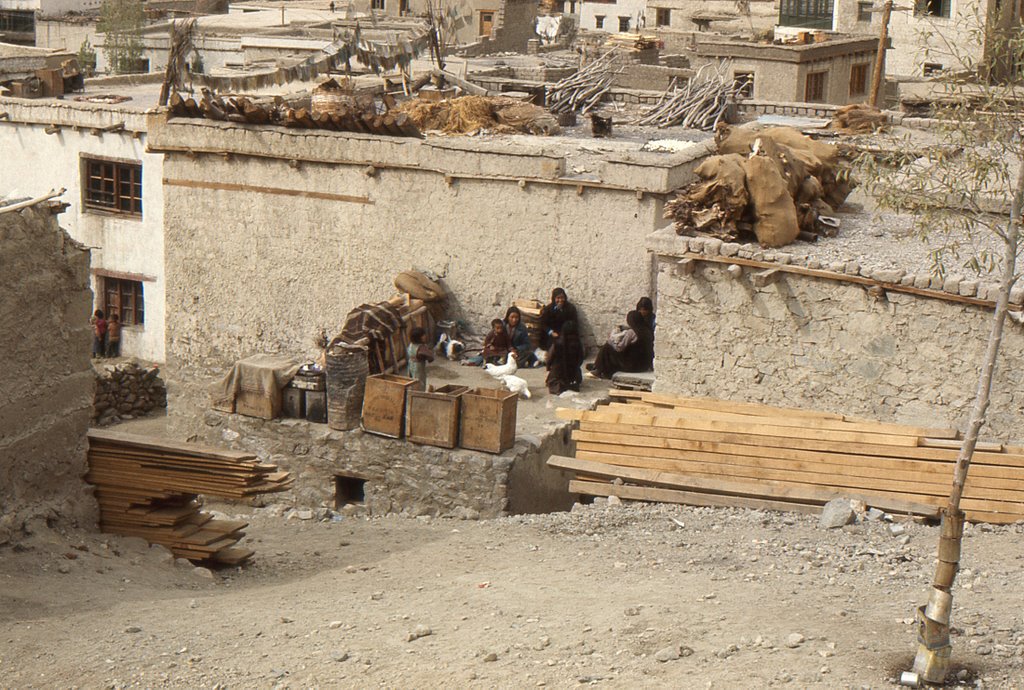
(127, 391)
(471, 114)
(774, 182)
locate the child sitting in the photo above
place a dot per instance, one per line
(497, 344)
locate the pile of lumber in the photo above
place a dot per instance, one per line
(278, 112)
(776, 183)
(582, 91)
(635, 41)
(707, 452)
(701, 104)
(530, 310)
(150, 488)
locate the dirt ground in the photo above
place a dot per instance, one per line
(612, 595)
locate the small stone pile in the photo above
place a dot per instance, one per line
(127, 391)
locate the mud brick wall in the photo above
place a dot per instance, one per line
(46, 382)
(826, 344)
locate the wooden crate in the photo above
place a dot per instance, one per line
(488, 420)
(384, 404)
(265, 406)
(433, 418)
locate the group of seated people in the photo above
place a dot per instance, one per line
(629, 349)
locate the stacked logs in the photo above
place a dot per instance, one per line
(582, 91)
(702, 104)
(278, 112)
(127, 391)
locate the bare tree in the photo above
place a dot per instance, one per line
(966, 190)
(121, 23)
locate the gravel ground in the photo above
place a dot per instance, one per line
(609, 595)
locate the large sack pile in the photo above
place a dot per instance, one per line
(859, 118)
(775, 182)
(470, 114)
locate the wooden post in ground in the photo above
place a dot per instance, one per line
(883, 39)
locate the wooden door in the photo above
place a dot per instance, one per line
(486, 23)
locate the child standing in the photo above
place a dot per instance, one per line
(417, 354)
(99, 334)
(114, 336)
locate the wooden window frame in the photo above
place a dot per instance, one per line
(864, 11)
(626, 28)
(815, 93)
(378, 5)
(126, 298)
(663, 16)
(112, 185)
(744, 81)
(859, 79)
(599, 21)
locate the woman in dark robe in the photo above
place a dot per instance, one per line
(554, 315)
(637, 356)
(564, 361)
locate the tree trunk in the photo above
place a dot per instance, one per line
(932, 660)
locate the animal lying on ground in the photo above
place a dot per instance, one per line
(451, 348)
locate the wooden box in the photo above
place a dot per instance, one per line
(316, 406)
(433, 418)
(488, 419)
(384, 404)
(265, 406)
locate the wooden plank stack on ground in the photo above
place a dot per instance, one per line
(702, 451)
(150, 488)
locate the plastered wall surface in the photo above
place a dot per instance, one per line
(46, 383)
(821, 344)
(33, 162)
(254, 268)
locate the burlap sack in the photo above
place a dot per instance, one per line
(775, 214)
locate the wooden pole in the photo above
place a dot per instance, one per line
(883, 39)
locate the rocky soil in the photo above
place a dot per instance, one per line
(608, 595)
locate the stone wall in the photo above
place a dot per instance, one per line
(46, 383)
(829, 344)
(127, 391)
(263, 250)
(401, 477)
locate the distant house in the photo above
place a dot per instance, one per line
(836, 71)
(613, 16)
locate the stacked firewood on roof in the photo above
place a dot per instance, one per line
(775, 183)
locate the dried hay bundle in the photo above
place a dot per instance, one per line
(859, 118)
(789, 180)
(470, 114)
(718, 203)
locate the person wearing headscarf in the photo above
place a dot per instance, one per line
(564, 361)
(553, 315)
(631, 349)
(519, 337)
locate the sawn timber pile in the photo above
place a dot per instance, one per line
(149, 488)
(775, 182)
(702, 451)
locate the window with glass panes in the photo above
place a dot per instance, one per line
(113, 186)
(124, 298)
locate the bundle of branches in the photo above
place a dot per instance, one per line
(361, 116)
(470, 114)
(701, 104)
(775, 182)
(581, 91)
(859, 118)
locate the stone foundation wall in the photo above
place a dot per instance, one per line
(401, 477)
(127, 391)
(46, 383)
(810, 342)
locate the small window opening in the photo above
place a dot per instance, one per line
(348, 490)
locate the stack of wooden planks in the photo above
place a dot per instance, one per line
(150, 488)
(702, 451)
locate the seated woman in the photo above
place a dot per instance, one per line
(519, 337)
(553, 315)
(631, 350)
(564, 360)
